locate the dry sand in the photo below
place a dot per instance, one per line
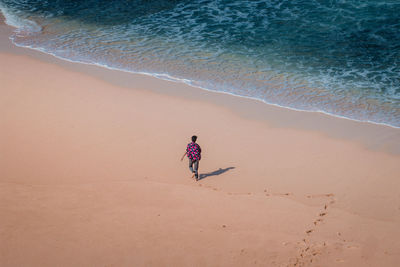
(90, 175)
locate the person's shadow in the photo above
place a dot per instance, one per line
(214, 173)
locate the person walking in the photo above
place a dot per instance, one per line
(193, 152)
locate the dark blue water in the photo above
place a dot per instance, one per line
(339, 57)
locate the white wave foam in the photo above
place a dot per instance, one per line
(60, 48)
(22, 24)
(167, 77)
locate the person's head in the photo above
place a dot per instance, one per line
(194, 138)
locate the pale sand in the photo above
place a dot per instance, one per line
(90, 175)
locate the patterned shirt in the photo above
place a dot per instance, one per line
(193, 151)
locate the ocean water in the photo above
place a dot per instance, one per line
(339, 57)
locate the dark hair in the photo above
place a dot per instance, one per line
(194, 138)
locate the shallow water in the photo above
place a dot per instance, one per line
(339, 57)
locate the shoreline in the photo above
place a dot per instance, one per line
(335, 126)
(188, 83)
(90, 175)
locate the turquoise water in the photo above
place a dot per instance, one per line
(338, 57)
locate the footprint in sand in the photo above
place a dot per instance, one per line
(321, 195)
(318, 221)
(282, 194)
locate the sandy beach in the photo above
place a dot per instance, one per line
(90, 175)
